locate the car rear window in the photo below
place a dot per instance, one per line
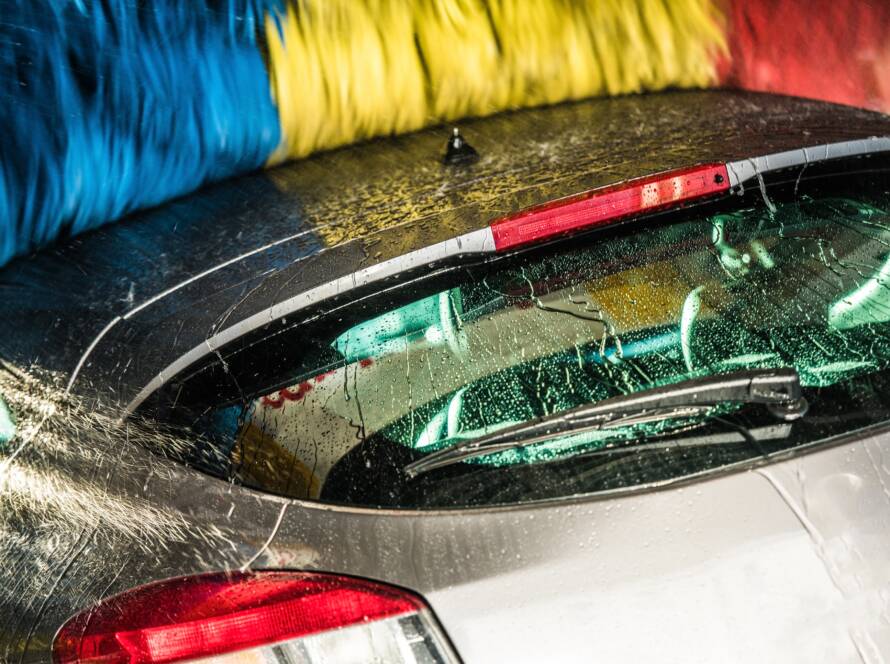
(799, 281)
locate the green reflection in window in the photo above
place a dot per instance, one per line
(866, 304)
(804, 286)
(7, 423)
(435, 318)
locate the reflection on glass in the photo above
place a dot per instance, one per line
(803, 287)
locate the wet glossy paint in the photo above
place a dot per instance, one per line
(781, 562)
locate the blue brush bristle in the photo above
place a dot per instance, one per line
(116, 105)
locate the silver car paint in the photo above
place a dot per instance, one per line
(789, 562)
(783, 562)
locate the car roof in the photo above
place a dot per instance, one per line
(117, 305)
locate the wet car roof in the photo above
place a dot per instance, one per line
(162, 281)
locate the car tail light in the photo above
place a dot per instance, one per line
(609, 204)
(274, 617)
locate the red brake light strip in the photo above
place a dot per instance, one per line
(609, 204)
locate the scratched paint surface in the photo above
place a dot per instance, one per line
(85, 511)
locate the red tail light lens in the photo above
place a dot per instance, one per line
(266, 616)
(609, 204)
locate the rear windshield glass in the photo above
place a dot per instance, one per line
(799, 284)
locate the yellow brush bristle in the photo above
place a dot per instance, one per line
(346, 70)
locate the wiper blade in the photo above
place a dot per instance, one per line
(778, 389)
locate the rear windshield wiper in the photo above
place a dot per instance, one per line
(778, 389)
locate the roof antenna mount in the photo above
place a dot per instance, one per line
(458, 151)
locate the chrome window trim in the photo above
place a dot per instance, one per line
(475, 242)
(744, 170)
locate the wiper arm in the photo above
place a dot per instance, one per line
(778, 389)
